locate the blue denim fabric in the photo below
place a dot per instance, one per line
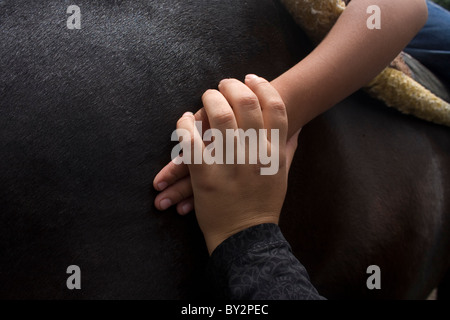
(431, 46)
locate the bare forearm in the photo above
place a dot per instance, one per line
(348, 58)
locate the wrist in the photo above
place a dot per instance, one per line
(214, 239)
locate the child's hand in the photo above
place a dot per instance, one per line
(232, 197)
(174, 181)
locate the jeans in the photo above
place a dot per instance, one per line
(431, 46)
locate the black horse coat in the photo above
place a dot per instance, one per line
(86, 117)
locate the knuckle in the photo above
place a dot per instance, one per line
(248, 101)
(277, 104)
(180, 194)
(224, 118)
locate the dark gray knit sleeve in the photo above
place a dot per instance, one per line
(258, 264)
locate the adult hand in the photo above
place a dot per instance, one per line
(231, 197)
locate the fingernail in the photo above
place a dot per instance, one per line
(251, 76)
(186, 208)
(188, 114)
(162, 185)
(165, 203)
